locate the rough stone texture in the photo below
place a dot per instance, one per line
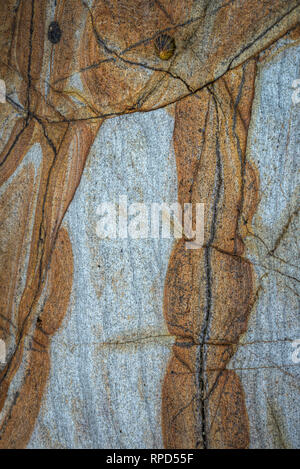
(154, 345)
(269, 376)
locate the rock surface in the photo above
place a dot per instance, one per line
(134, 343)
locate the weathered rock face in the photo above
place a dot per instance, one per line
(131, 343)
(115, 343)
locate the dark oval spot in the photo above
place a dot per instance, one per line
(54, 32)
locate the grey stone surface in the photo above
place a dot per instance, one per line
(109, 357)
(265, 360)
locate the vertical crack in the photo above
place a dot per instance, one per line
(200, 362)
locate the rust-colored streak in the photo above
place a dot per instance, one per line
(19, 421)
(209, 292)
(39, 206)
(61, 171)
